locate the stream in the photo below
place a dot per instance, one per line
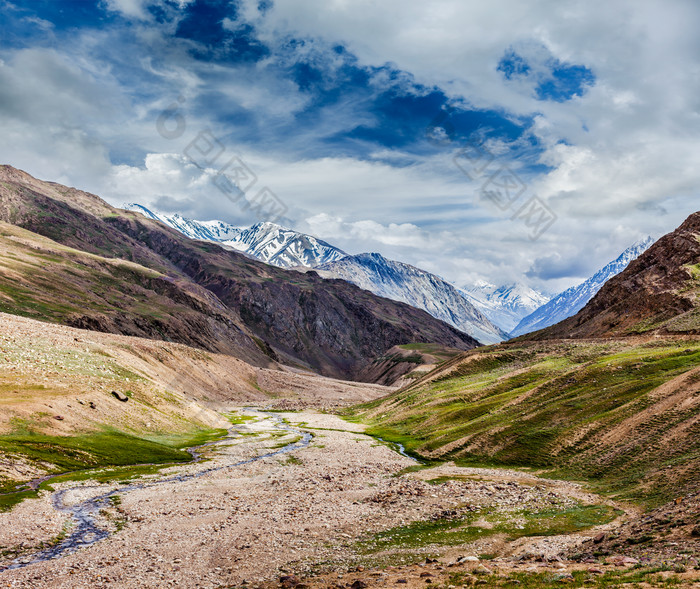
(84, 514)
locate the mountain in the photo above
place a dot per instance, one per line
(418, 288)
(581, 396)
(204, 230)
(659, 292)
(506, 305)
(621, 413)
(571, 301)
(286, 248)
(268, 242)
(87, 264)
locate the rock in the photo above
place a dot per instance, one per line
(359, 584)
(92, 405)
(426, 574)
(482, 570)
(58, 417)
(599, 538)
(595, 571)
(289, 581)
(696, 532)
(402, 581)
(120, 396)
(464, 559)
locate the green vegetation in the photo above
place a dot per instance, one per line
(651, 577)
(578, 410)
(239, 418)
(101, 456)
(483, 523)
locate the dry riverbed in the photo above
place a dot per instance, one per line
(345, 501)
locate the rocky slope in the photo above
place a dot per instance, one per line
(330, 326)
(418, 288)
(658, 292)
(571, 301)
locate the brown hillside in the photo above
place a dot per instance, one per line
(328, 325)
(658, 292)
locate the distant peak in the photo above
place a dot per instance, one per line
(643, 243)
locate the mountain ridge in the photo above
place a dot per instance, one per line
(506, 305)
(418, 288)
(658, 292)
(331, 327)
(572, 300)
(265, 241)
(287, 248)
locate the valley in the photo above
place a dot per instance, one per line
(307, 496)
(349, 295)
(175, 413)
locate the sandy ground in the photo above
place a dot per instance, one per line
(256, 522)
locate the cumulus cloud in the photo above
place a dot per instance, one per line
(329, 104)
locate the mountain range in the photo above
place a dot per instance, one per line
(266, 241)
(658, 292)
(397, 281)
(505, 305)
(572, 300)
(83, 263)
(421, 289)
(484, 311)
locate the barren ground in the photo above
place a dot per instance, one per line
(308, 513)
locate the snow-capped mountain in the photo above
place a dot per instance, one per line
(571, 301)
(416, 287)
(506, 305)
(267, 242)
(205, 230)
(283, 247)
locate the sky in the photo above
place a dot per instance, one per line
(505, 141)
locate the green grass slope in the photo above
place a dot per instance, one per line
(624, 415)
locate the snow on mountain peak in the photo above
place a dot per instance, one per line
(572, 300)
(266, 241)
(505, 305)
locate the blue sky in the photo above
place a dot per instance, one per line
(356, 114)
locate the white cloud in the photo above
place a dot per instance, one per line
(625, 156)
